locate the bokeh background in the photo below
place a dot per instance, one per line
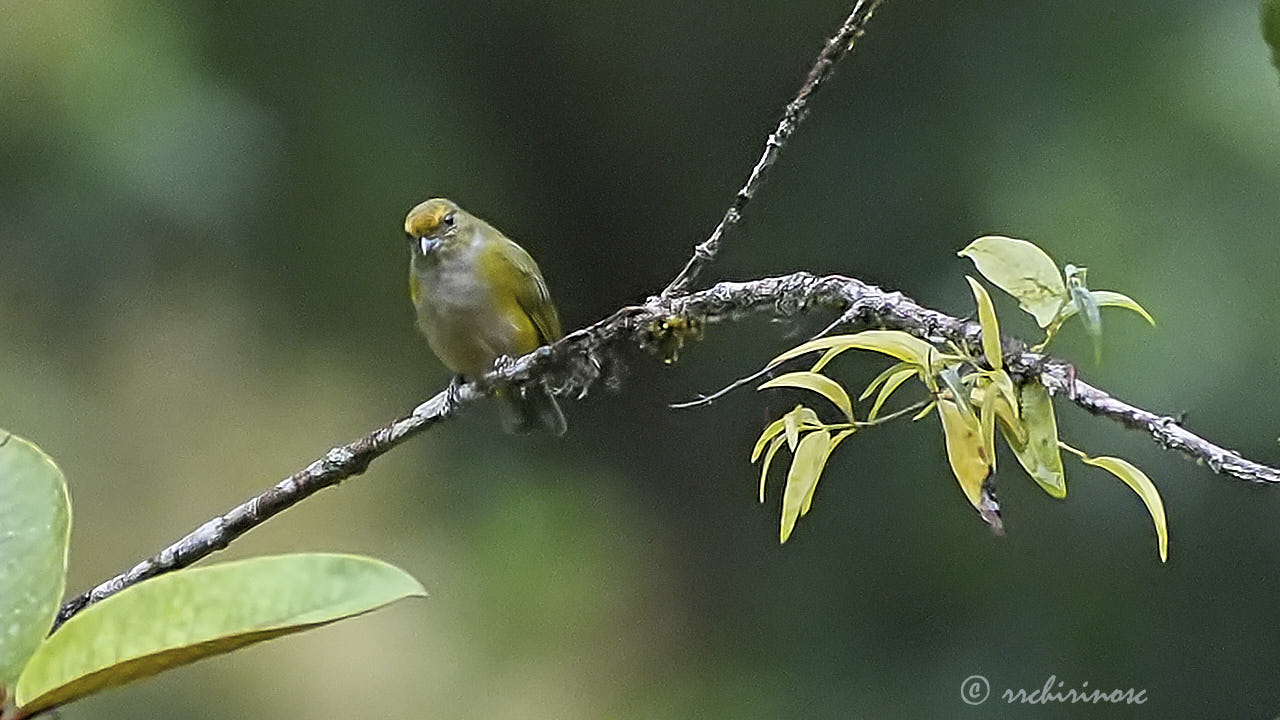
(202, 288)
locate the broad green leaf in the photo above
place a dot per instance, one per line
(1023, 270)
(1142, 485)
(815, 382)
(883, 376)
(768, 460)
(893, 383)
(835, 442)
(35, 523)
(806, 466)
(190, 614)
(965, 451)
(1106, 298)
(904, 346)
(771, 430)
(990, 325)
(1039, 455)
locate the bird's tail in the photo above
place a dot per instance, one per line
(525, 410)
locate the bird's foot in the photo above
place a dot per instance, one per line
(452, 394)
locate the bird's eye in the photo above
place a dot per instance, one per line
(448, 220)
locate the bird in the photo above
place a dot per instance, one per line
(479, 297)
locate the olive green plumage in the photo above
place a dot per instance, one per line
(478, 297)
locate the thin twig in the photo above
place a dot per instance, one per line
(836, 48)
(708, 399)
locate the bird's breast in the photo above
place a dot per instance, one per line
(468, 322)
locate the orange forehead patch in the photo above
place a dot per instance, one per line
(426, 217)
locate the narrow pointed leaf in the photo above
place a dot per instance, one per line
(826, 358)
(1039, 455)
(1023, 270)
(835, 442)
(1107, 298)
(1006, 389)
(190, 614)
(1142, 485)
(924, 412)
(815, 382)
(987, 418)
(883, 376)
(990, 325)
(770, 431)
(768, 460)
(965, 451)
(892, 384)
(35, 523)
(792, 420)
(802, 477)
(895, 343)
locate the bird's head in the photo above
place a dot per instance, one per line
(433, 225)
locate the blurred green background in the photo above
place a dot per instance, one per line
(202, 288)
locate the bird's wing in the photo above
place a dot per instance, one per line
(531, 292)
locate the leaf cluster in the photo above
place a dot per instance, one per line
(974, 395)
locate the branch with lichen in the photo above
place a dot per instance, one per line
(586, 357)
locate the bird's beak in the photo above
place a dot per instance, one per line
(427, 245)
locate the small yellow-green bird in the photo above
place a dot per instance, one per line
(479, 297)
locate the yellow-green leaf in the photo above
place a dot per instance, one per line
(965, 451)
(895, 343)
(190, 614)
(815, 382)
(1023, 270)
(987, 417)
(35, 522)
(792, 422)
(770, 431)
(892, 384)
(1142, 485)
(806, 466)
(835, 442)
(883, 376)
(1006, 389)
(768, 459)
(1039, 455)
(826, 358)
(990, 325)
(1107, 298)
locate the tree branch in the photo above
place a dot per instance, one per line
(836, 48)
(584, 358)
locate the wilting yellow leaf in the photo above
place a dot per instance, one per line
(965, 451)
